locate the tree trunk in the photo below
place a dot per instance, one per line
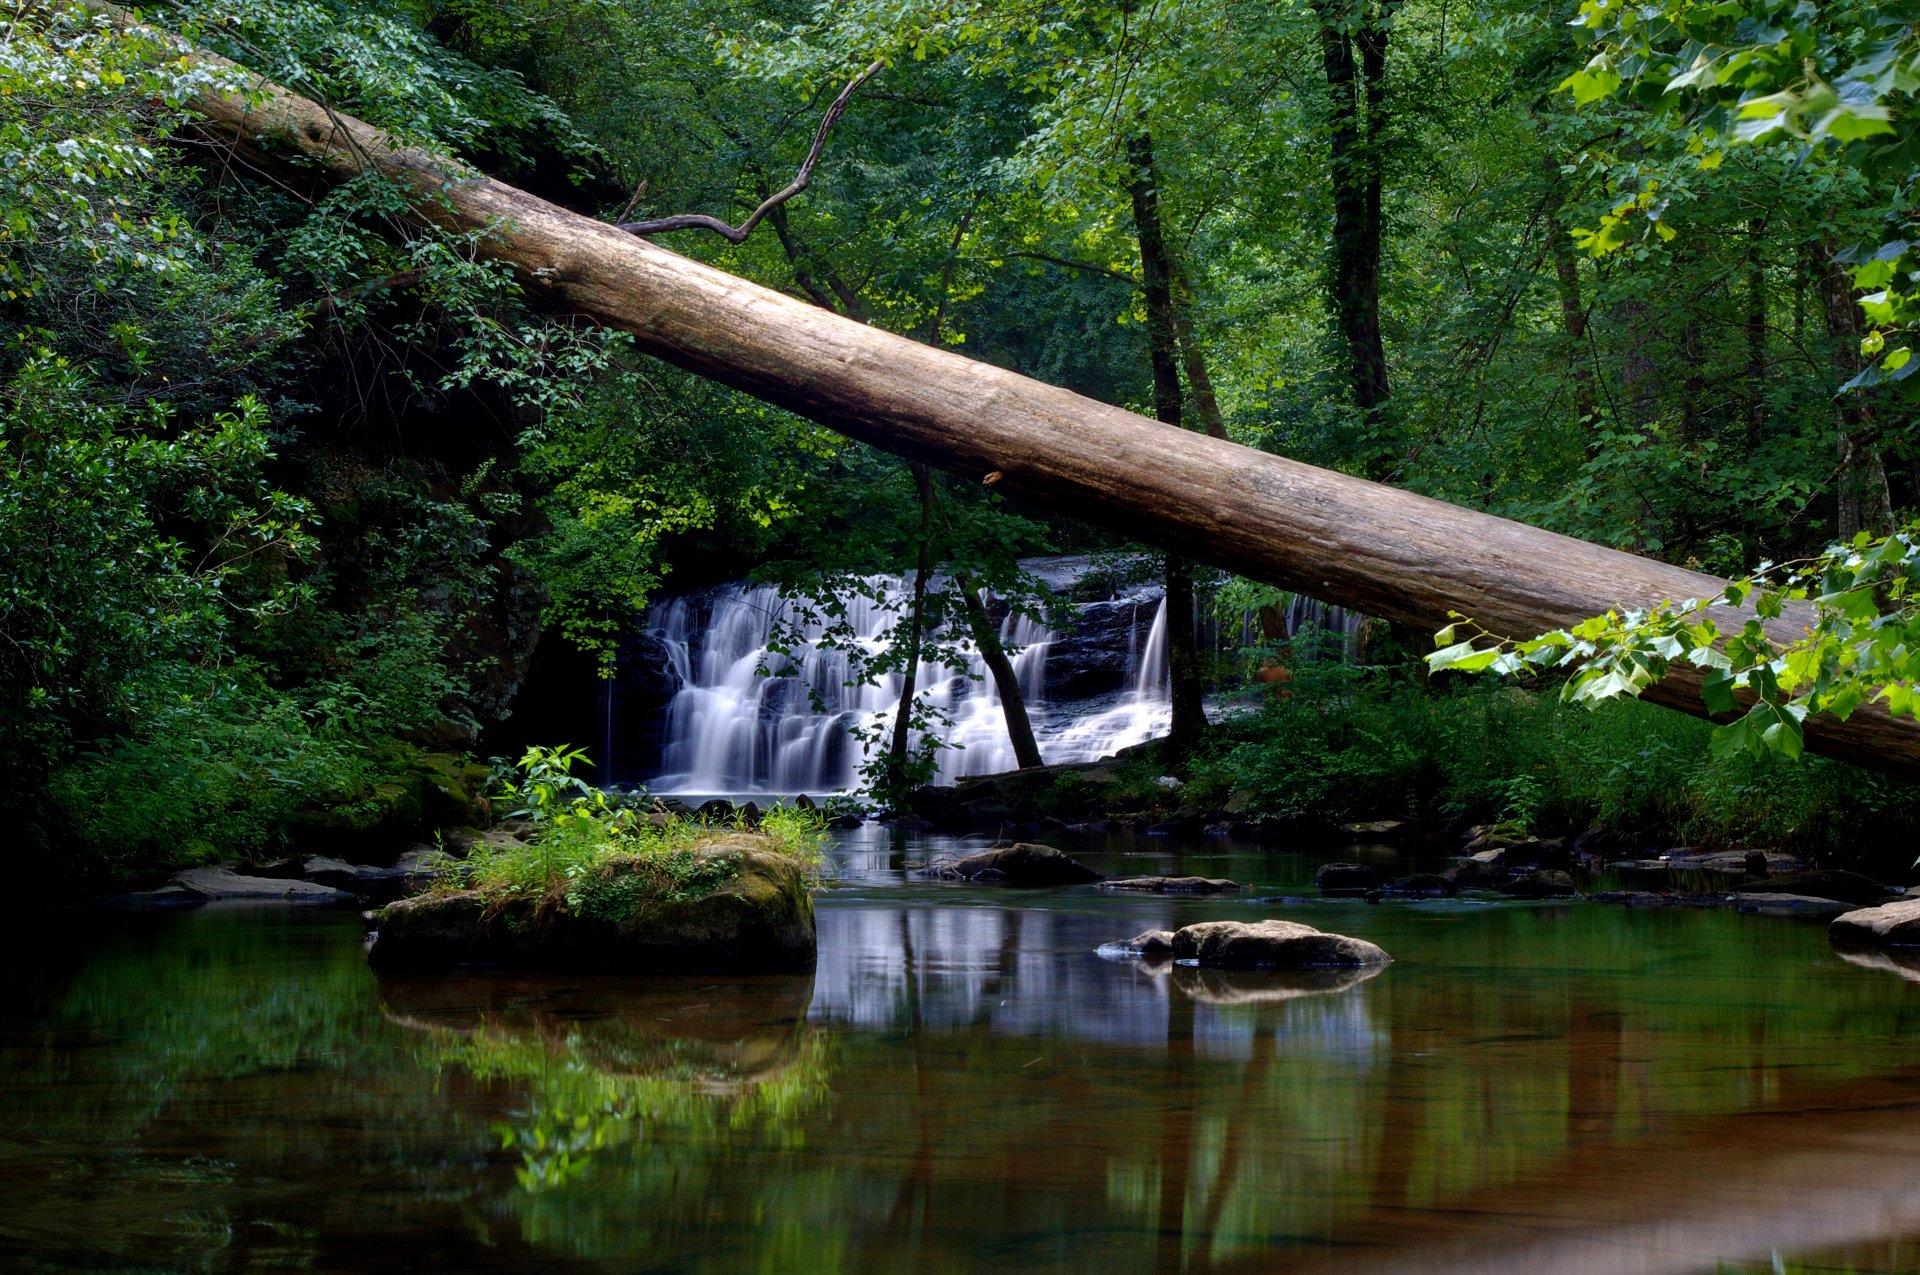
(1862, 501)
(1188, 720)
(1354, 57)
(1756, 326)
(1573, 314)
(1339, 538)
(916, 620)
(1026, 751)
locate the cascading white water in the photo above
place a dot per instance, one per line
(1337, 625)
(732, 729)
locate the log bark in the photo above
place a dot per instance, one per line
(1342, 539)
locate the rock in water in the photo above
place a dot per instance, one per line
(1022, 863)
(1889, 925)
(1345, 878)
(759, 920)
(1279, 945)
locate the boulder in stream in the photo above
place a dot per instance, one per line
(1281, 945)
(1889, 925)
(1022, 863)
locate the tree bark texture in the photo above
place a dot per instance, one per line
(1862, 501)
(916, 621)
(1339, 538)
(1353, 50)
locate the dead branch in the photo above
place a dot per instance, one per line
(700, 221)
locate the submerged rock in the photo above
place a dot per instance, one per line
(757, 920)
(1173, 885)
(1345, 878)
(1022, 863)
(1889, 925)
(1271, 945)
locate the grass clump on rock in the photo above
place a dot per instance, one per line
(599, 884)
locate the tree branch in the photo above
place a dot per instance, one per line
(700, 221)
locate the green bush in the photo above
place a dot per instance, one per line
(1347, 747)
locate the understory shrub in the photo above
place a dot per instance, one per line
(1343, 746)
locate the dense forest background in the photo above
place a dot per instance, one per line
(295, 497)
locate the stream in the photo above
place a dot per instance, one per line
(963, 1084)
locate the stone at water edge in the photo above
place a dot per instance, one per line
(1173, 885)
(1354, 878)
(1889, 925)
(1271, 945)
(1022, 863)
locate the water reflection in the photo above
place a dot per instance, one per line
(964, 1085)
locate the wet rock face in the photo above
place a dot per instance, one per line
(1091, 661)
(758, 921)
(1022, 863)
(1280, 945)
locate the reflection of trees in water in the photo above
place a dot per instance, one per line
(624, 1106)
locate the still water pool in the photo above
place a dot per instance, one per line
(964, 1085)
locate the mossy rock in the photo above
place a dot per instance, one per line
(750, 913)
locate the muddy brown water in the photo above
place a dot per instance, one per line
(963, 1084)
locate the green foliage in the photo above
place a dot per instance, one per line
(1859, 648)
(1499, 755)
(600, 855)
(1837, 80)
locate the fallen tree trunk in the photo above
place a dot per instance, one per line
(1341, 539)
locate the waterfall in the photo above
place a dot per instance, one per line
(729, 728)
(1339, 628)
